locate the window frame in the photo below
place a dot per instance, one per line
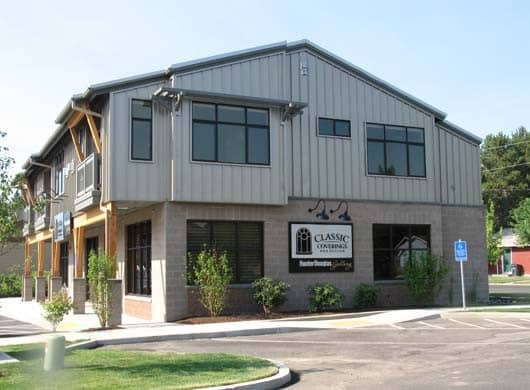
(131, 132)
(131, 273)
(216, 124)
(334, 120)
(392, 251)
(407, 143)
(58, 174)
(236, 277)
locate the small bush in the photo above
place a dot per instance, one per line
(100, 271)
(324, 297)
(365, 295)
(57, 308)
(212, 275)
(11, 283)
(424, 276)
(270, 293)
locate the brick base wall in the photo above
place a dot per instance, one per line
(239, 301)
(137, 308)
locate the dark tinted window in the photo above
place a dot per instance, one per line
(230, 134)
(141, 130)
(139, 258)
(334, 127)
(394, 244)
(241, 241)
(395, 150)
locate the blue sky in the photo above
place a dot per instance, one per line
(468, 58)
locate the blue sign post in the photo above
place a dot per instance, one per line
(461, 256)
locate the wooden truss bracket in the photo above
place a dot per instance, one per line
(94, 132)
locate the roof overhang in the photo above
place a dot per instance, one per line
(460, 131)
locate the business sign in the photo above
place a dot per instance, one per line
(320, 247)
(460, 250)
(62, 227)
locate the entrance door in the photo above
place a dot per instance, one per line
(507, 261)
(91, 244)
(63, 262)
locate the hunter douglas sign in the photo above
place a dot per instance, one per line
(320, 247)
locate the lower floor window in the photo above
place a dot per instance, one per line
(394, 244)
(241, 241)
(63, 262)
(139, 258)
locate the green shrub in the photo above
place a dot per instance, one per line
(100, 271)
(324, 297)
(57, 308)
(270, 293)
(365, 295)
(11, 283)
(212, 275)
(424, 276)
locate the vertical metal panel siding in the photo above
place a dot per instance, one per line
(336, 168)
(227, 183)
(460, 170)
(132, 180)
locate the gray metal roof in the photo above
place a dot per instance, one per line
(460, 131)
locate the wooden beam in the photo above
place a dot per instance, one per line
(40, 258)
(43, 235)
(77, 145)
(88, 218)
(27, 260)
(75, 119)
(94, 132)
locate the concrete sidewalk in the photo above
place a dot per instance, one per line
(80, 327)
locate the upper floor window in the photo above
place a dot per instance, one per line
(141, 130)
(334, 127)
(58, 165)
(395, 150)
(230, 134)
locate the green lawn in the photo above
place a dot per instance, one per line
(112, 369)
(509, 279)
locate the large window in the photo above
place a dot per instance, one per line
(395, 150)
(141, 130)
(139, 258)
(242, 242)
(63, 262)
(58, 166)
(230, 134)
(334, 127)
(394, 244)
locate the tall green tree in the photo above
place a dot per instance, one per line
(505, 173)
(521, 221)
(493, 237)
(10, 199)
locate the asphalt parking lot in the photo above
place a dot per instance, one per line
(477, 350)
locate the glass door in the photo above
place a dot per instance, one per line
(507, 261)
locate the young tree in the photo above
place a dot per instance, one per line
(493, 238)
(521, 221)
(10, 199)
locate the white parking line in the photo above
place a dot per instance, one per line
(466, 323)
(431, 325)
(396, 326)
(505, 323)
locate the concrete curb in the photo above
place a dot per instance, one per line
(282, 377)
(196, 336)
(6, 358)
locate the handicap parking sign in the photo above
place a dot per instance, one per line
(460, 250)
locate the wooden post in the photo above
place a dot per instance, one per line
(40, 258)
(112, 231)
(79, 251)
(56, 258)
(27, 260)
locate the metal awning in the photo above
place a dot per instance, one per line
(289, 108)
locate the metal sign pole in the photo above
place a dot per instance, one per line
(463, 288)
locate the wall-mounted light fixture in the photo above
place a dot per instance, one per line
(344, 216)
(322, 214)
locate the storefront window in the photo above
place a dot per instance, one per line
(242, 242)
(139, 258)
(394, 244)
